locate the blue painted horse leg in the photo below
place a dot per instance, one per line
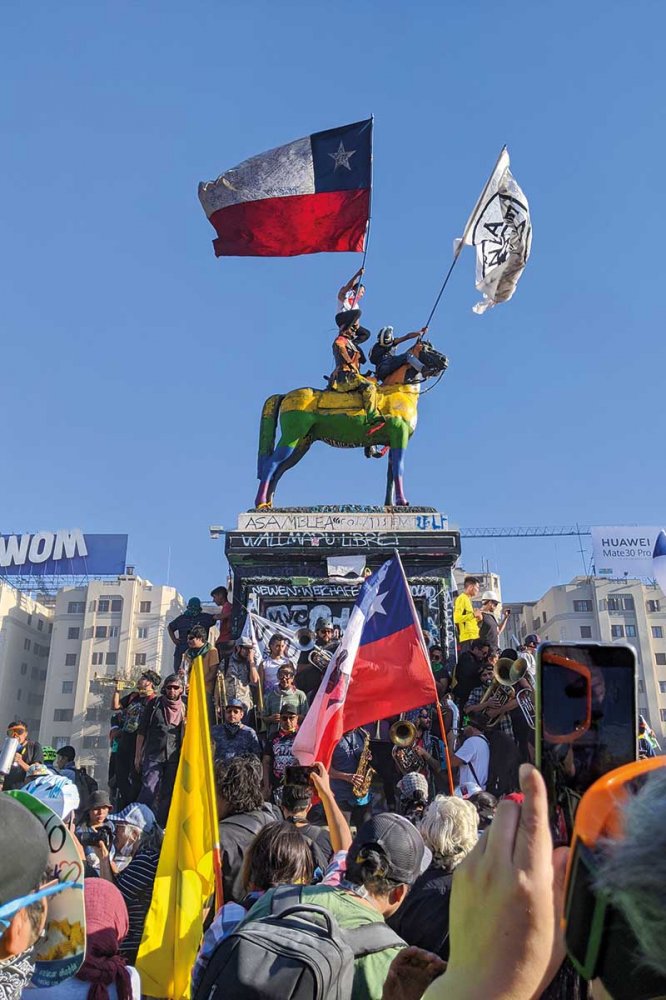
(269, 468)
(397, 459)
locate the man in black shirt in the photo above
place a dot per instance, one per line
(29, 752)
(158, 744)
(180, 626)
(489, 628)
(468, 670)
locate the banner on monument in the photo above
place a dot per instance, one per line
(624, 551)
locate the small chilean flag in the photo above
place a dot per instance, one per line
(309, 196)
(381, 667)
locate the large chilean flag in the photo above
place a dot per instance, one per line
(309, 196)
(381, 667)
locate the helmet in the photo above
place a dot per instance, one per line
(49, 754)
(385, 336)
(323, 623)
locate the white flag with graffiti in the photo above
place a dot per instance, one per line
(501, 230)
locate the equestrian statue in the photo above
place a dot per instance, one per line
(355, 411)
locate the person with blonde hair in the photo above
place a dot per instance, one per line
(450, 830)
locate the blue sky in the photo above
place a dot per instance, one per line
(135, 363)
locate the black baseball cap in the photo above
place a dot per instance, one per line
(398, 840)
(24, 850)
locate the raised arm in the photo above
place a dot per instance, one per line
(338, 828)
(411, 336)
(350, 284)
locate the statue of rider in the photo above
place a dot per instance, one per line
(348, 358)
(383, 355)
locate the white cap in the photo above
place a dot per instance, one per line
(490, 595)
(55, 791)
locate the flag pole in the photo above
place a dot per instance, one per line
(367, 227)
(461, 242)
(421, 637)
(446, 746)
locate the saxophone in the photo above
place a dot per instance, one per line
(364, 770)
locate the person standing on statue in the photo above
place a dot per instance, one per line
(351, 294)
(465, 616)
(268, 671)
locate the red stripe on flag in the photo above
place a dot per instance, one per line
(390, 676)
(285, 227)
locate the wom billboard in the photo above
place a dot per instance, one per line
(62, 553)
(624, 551)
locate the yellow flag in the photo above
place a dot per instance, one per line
(190, 856)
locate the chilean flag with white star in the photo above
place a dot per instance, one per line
(309, 196)
(381, 667)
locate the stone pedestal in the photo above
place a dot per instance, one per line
(293, 565)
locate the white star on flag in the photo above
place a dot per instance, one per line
(342, 157)
(377, 606)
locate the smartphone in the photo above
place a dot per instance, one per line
(298, 774)
(586, 721)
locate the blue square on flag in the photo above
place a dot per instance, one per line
(385, 603)
(341, 157)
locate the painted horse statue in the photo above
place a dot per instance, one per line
(339, 418)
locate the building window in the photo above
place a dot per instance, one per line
(586, 631)
(617, 631)
(18, 694)
(97, 659)
(662, 687)
(103, 604)
(657, 632)
(91, 742)
(544, 618)
(582, 605)
(29, 619)
(50, 627)
(537, 622)
(662, 714)
(116, 604)
(142, 632)
(34, 673)
(100, 631)
(621, 603)
(631, 631)
(76, 608)
(641, 686)
(67, 687)
(40, 624)
(73, 633)
(70, 659)
(652, 606)
(139, 659)
(26, 643)
(113, 631)
(144, 607)
(63, 715)
(111, 659)
(24, 669)
(660, 659)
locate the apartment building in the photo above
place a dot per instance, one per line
(25, 638)
(607, 611)
(101, 631)
(487, 581)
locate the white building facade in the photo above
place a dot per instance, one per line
(102, 631)
(603, 610)
(25, 638)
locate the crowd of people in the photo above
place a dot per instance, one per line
(428, 888)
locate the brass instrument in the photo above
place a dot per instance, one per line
(364, 770)
(403, 735)
(303, 640)
(321, 656)
(221, 695)
(506, 673)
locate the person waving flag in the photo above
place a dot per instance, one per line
(380, 669)
(310, 196)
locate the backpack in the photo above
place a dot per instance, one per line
(503, 764)
(297, 952)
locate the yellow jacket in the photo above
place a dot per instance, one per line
(463, 616)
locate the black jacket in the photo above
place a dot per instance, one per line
(236, 834)
(423, 917)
